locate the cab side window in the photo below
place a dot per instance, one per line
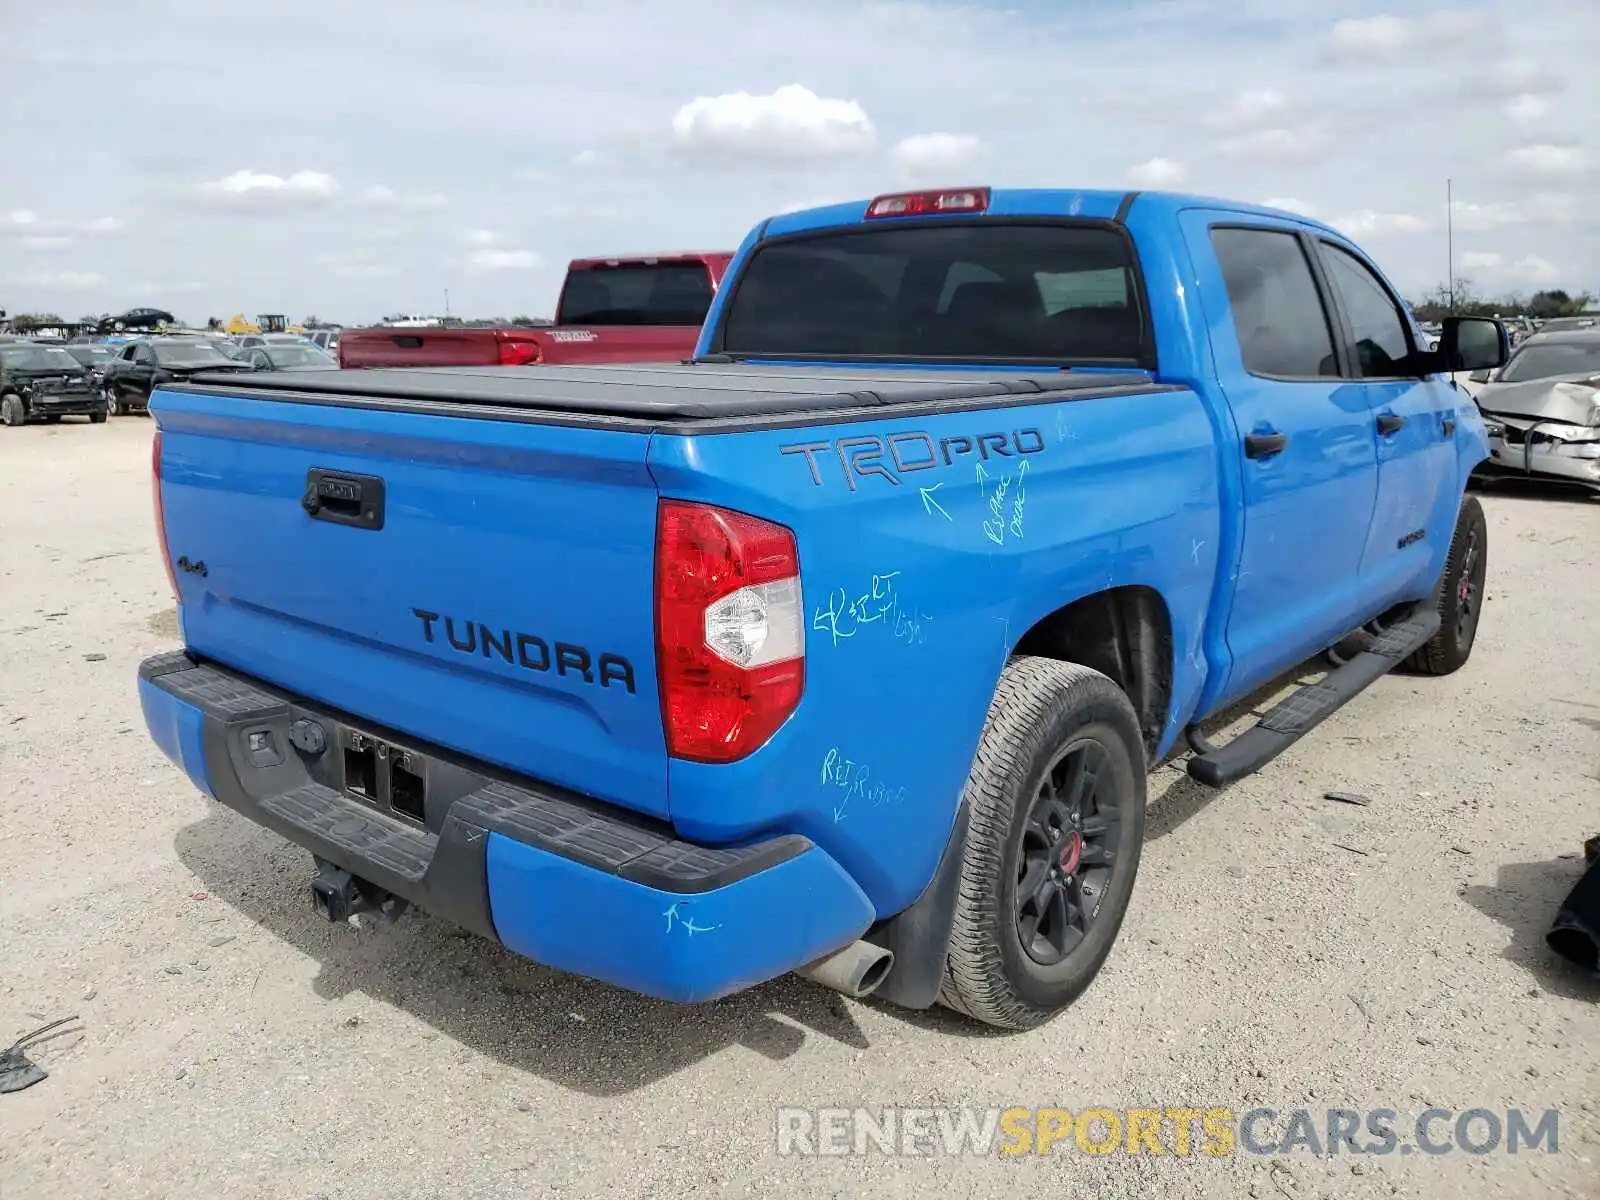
(1278, 315)
(1382, 346)
(144, 356)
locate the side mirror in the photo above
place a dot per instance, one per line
(1474, 344)
(1479, 377)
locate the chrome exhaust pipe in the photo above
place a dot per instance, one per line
(857, 970)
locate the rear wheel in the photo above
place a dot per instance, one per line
(1057, 797)
(98, 417)
(11, 410)
(113, 405)
(1459, 596)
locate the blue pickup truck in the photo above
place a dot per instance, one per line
(846, 646)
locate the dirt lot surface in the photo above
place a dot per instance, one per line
(1283, 950)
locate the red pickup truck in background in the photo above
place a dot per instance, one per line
(641, 308)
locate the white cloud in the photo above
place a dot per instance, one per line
(252, 189)
(480, 237)
(1250, 110)
(1157, 173)
(1366, 223)
(1519, 76)
(1545, 159)
(503, 260)
(587, 158)
(1388, 36)
(48, 242)
(925, 156)
(75, 281)
(355, 264)
(792, 123)
(188, 288)
(1475, 260)
(1272, 144)
(48, 232)
(1534, 269)
(1526, 108)
(791, 206)
(1540, 208)
(378, 196)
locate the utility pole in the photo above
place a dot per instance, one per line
(447, 303)
(1450, 238)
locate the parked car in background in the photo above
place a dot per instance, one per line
(646, 308)
(1562, 324)
(1543, 408)
(249, 341)
(142, 365)
(45, 383)
(276, 356)
(325, 339)
(93, 357)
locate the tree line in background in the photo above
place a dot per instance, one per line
(1465, 301)
(1433, 305)
(26, 322)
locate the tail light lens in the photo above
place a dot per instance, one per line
(161, 514)
(919, 204)
(518, 352)
(730, 630)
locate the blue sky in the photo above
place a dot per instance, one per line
(356, 159)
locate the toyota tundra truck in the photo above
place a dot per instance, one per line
(845, 647)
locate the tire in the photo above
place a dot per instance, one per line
(1046, 719)
(113, 405)
(97, 417)
(1459, 596)
(11, 410)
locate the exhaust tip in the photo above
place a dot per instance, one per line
(875, 974)
(856, 971)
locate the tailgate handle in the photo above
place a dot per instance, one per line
(343, 498)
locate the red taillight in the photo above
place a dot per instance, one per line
(518, 352)
(916, 204)
(161, 514)
(730, 630)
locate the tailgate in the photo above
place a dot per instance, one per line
(618, 344)
(482, 585)
(421, 347)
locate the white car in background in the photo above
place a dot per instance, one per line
(1543, 408)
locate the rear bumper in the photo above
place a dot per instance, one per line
(567, 881)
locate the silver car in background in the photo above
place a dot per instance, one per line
(1543, 408)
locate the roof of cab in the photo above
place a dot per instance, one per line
(1094, 204)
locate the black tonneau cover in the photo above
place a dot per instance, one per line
(664, 393)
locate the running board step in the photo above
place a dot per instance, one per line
(1298, 714)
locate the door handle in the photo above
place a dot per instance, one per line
(1449, 426)
(1390, 423)
(1264, 445)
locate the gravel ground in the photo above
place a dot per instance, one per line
(1282, 950)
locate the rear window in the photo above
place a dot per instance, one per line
(1536, 361)
(636, 294)
(967, 291)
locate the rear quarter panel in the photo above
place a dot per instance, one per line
(919, 582)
